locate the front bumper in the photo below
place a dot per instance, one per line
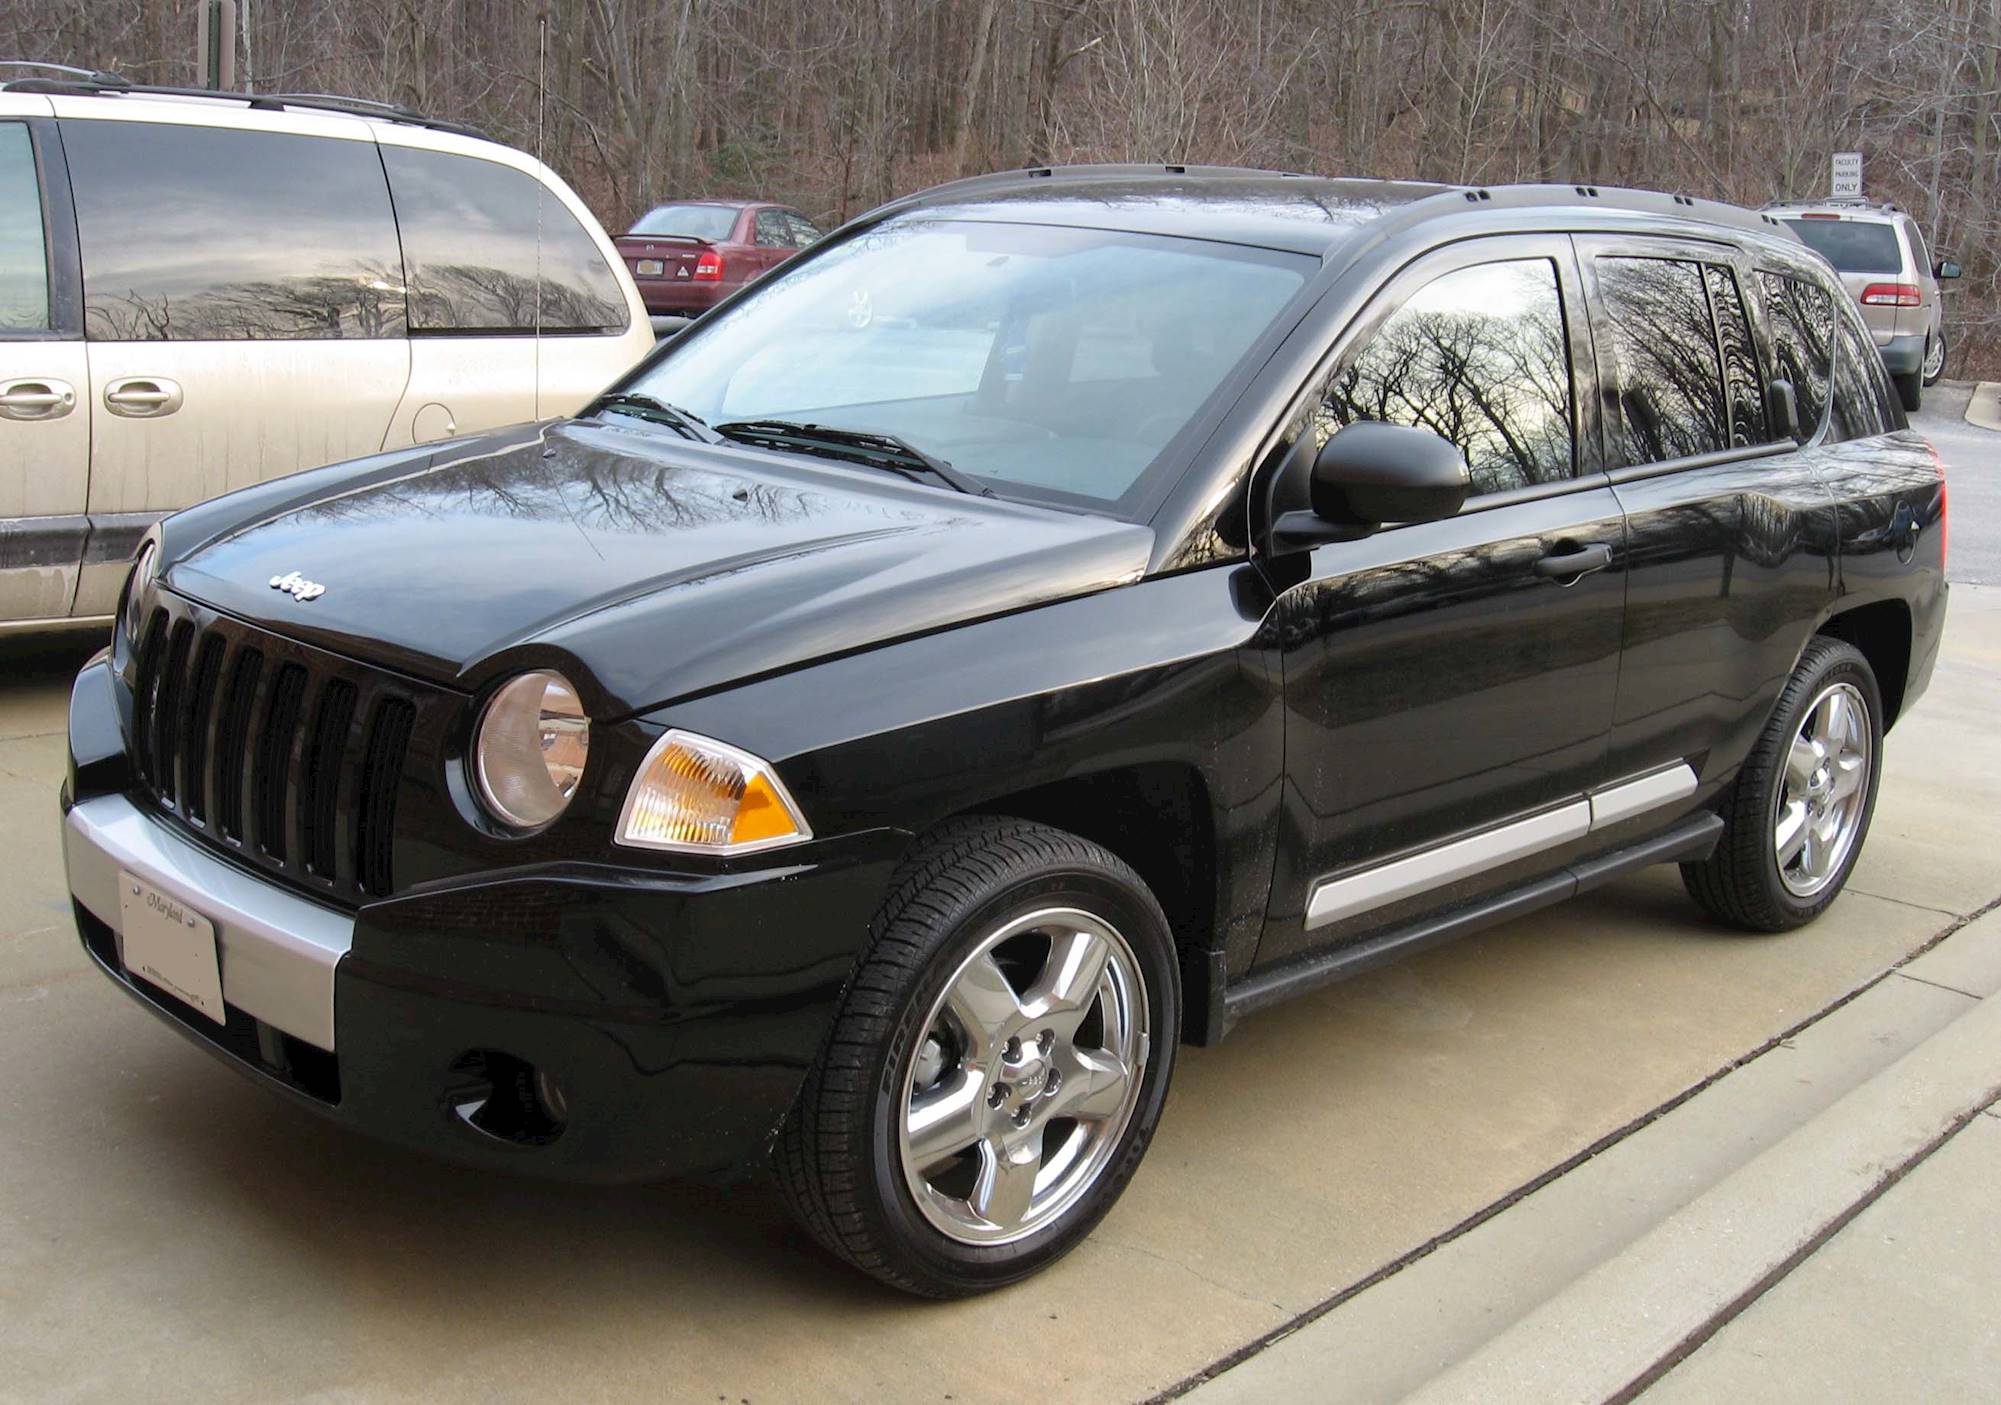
(673, 1013)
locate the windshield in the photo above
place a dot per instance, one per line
(709, 223)
(1853, 246)
(1044, 362)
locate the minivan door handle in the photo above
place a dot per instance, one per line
(36, 399)
(1567, 566)
(142, 397)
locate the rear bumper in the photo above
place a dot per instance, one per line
(660, 1021)
(1903, 355)
(681, 295)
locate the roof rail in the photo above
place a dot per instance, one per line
(1847, 202)
(81, 82)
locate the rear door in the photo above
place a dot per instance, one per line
(1729, 529)
(1448, 686)
(243, 305)
(44, 379)
(515, 311)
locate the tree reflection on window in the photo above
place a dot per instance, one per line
(1477, 356)
(1670, 382)
(1800, 318)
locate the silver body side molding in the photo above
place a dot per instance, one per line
(1333, 899)
(277, 950)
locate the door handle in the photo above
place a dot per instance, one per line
(36, 399)
(142, 397)
(1566, 567)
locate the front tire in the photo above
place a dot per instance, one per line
(997, 1066)
(1796, 817)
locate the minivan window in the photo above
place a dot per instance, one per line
(711, 224)
(1671, 401)
(24, 254)
(1853, 246)
(1048, 362)
(216, 234)
(489, 249)
(1799, 318)
(1743, 387)
(1478, 356)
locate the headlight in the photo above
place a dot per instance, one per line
(700, 796)
(529, 755)
(133, 611)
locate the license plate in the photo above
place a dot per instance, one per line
(649, 268)
(171, 945)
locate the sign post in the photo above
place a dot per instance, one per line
(215, 43)
(1846, 174)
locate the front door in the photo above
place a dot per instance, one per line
(44, 386)
(1449, 686)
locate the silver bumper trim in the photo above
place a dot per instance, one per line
(278, 950)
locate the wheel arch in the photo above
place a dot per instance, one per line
(1882, 630)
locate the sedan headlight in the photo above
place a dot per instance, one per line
(700, 796)
(529, 755)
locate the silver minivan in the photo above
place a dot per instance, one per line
(199, 291)
(1887, 267)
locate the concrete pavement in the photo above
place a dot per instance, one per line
(165, 1229)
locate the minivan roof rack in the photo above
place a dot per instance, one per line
(84, 82)
(1843, 202)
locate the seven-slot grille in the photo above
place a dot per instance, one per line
(288, 758)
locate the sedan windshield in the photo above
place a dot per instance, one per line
(709, 223)
(1852, 246)
(1043, 362)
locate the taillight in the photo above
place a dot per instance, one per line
(709, 267)
(1891, 295)
(1942, 535)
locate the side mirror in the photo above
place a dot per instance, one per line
(1785, 409)
(1946, 268)
(1369, 473)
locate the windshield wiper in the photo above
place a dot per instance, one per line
(862, 446)
(689, 424)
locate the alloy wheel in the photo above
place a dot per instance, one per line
(1028, 1073)
(1824, 794)
(1934, 359)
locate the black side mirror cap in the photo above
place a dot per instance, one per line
(1370, 473)
(1785, 409)
(1946, 268)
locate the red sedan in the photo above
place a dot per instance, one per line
(689, 255)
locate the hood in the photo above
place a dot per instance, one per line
(659, 567)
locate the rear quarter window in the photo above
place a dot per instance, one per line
(213, 234)
(1799, 319)
(490, 249)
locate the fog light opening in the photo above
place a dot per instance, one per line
(508, 1098)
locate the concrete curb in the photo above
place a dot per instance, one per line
(1984, 408)
(1619, 1327)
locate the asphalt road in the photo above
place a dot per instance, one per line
(167, 1230)
(1973, 482)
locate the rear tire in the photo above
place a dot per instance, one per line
(997, 1066)
(1910, 390)
(1797, 814)
(1936, 350)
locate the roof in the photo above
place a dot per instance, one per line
(1284, 209)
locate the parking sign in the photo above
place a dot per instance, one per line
(1847, 173)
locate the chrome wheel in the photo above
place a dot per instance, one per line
(1825, 793)
(1028, 1073)
(1934, 359)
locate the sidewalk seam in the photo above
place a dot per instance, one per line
(1307, 1316)
(1937, 985)
(1723, 1316)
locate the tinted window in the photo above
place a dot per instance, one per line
(1921, 253)
(772, 229)
(1478, 357)
(207, 234)
(1743, 387)
(1853, 246)
(1861, 388)
(1799, 318)
(24, 259)
(1670, 384)
(710, 223)
(804, 233)
(476, 234)
(1049, 362)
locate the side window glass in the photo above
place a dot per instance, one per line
(1800, 319)
(1479, 357)
(24, 250)
(1921, 255)
(804, 235)
(1860, 391)
(771, 229)
(1671, 401)
(1743, 387)
(490, 249)
(209, 234)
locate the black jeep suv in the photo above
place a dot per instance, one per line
(1062, 613)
